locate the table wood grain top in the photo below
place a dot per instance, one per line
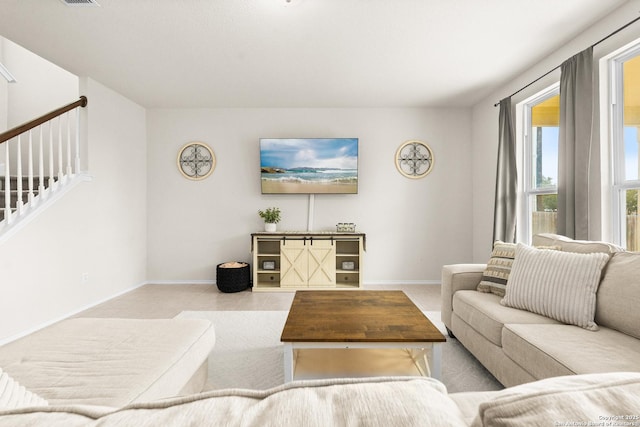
(357, 316)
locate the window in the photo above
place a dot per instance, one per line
(540, 133)
(625, 136)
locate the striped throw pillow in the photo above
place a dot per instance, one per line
(496, 275)
(555, 284)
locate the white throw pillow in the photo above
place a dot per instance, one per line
(559, 285)
(13, 395)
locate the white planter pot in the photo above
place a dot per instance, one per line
(270, 227)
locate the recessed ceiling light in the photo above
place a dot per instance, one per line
(80, 2)
(292, 3)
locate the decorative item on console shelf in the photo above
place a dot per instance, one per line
(271, 217)
(345, 227)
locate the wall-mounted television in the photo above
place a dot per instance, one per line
(309, 165)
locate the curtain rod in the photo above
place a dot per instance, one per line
(555, 68)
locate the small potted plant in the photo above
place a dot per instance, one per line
(271, 217)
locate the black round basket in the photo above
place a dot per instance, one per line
(234, 279)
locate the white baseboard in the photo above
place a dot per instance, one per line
(66, 316)
(366, 283)
(180, 282)
(400, 282)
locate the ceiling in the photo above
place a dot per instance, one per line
(299, 53)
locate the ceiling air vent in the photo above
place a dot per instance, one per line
(80, 2)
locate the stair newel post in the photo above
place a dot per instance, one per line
(69, 171)
(52, 174)
(77, 159)
(30, 170)
(19, 203)
(7, 185)
(41, 164)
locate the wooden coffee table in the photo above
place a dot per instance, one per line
(360, 320)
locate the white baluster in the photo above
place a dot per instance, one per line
(52, 173)
(41, 165)
(49, 172)
(77, 170)
(30, 169)
(19, 203)
(69, 171)
(7, 185)
(60, 173)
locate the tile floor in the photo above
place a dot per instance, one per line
(167, 301)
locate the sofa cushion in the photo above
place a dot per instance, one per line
(556, 284)
(13, 395)
(618, 299)
(457, 277)
(110, 362)
(484, 313)
(496, 275)
(600, 399)
(388, 402)
(554, 350)
(579, 246)
(469, 401)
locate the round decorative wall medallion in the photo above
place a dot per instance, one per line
(414, 159)
(196, 160)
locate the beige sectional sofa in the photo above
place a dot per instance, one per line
(518, 346)
(127, 372)
(596, 399)
(111, 362)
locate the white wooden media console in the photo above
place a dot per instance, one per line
(293, 260)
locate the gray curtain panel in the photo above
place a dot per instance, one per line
(504, 217)
(574, 145)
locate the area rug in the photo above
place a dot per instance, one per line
(248, 353)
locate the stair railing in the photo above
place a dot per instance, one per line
(57, 141)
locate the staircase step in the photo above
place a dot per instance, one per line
(25, 182)
(14, 196)
(14, 182)
(2, 213)
(14, 191)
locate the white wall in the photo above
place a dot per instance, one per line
(98, 228)
(413, 227)
(41, 86)
(485, 116)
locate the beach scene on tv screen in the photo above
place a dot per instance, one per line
(309, 165)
